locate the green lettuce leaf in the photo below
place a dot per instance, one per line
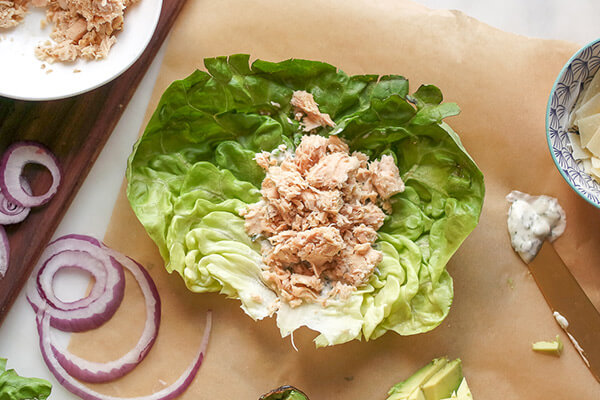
(192, 172)
(15, 387)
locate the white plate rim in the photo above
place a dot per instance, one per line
(95, 85)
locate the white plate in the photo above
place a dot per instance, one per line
(21, 73)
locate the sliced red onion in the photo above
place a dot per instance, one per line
(4, 252)
(90, 371)
(90, 312)
(79, 389)
(74, 259)
(11, 213)
(12, 163)
(86, 253)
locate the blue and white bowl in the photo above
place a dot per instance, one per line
(576, 73)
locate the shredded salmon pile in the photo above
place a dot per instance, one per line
(82, 28)
(319, 213)
(12, 12)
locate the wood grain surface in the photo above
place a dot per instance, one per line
(75, 129)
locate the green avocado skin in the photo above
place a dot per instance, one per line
(284, 393)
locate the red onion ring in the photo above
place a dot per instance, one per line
(79, 389)
(4, 252)
(12, 163)
(91, 311)
(103, 372)
(83, 252)
(11, 213)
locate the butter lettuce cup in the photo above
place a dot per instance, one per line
(195, 173)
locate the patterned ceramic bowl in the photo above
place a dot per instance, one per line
(578, 71)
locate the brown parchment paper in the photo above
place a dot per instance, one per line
(502, 82)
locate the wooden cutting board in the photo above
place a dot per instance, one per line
(75, 129)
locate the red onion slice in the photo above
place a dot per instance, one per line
(11, 213)
(90, 371)
(4, 252)
(93, 310)
(77, 260)
(79, 389)
(12, 163)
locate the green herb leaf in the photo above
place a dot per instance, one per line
(15, 387)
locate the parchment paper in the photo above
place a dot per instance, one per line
(502, 82)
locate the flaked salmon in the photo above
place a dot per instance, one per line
(319, 215)
(82, 28)
(12, 12)
(307, 110)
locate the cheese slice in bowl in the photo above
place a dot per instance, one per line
(588, 126)
(592, 89)
(585, 143)
(594, 144)
(579, 153)
(589, 108)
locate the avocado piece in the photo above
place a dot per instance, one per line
(403, 390)
(462, 393)
(416, 394)
(554, 347)
(444, 382)
(284, 393)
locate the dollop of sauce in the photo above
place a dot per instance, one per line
(561, 320)
(531, 220)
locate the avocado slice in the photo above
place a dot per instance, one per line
(411, 386)
(554, 347)
(462, 393)
(444, 382)
(416, 394)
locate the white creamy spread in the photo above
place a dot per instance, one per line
(531, 220)
(579, 349)
(562, 321)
